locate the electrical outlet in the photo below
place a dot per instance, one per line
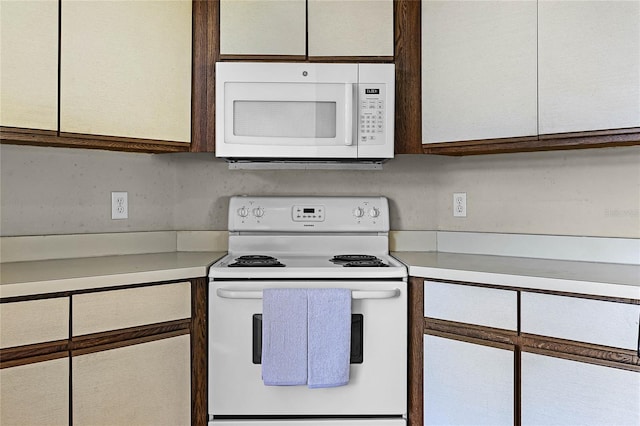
(460, 204)
(119, 205)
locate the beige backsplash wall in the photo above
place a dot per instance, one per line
(59, 191)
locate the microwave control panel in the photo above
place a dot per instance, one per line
(372, 126)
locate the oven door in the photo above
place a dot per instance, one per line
(378, 374)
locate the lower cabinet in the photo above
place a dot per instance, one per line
(131, 357)
(35, 394)
(467, 383)
(143, 384)
(557, 391)
(490, 355)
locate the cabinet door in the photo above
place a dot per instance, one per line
(29, 66)
(350, 28)
(35, 394)
(562, 392)
(144, 384)
(478, 70)
(467, 384)
(258, 27)
(589, 65)
(126, 69)
(34, 321)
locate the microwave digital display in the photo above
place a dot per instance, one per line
(308, 210)
(372, 91)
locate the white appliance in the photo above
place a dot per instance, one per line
(290, 242)
(304, 111)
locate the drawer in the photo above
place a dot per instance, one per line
(472, 305)
(583, 320)
(34, 321)
(117, 309)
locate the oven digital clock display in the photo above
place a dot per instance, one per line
(307, 213)
(372, 91)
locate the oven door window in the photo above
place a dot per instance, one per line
(357, 333)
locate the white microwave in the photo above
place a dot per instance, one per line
(304, 111)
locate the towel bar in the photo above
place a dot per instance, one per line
(355, 294)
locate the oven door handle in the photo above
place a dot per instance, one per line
(355, 294)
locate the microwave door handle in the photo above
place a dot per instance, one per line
(348, 114)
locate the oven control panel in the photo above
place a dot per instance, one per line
(309, 214)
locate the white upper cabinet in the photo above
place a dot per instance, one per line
(259, 27)
(301, 28)
(589, 65)
(29, 64)
(478, 70)
(126, 69)
(350, 28)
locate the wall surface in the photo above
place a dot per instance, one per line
(586, 192)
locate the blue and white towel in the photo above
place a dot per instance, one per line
(329, 337)
(284, 337)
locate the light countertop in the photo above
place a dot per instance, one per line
(52, 276)
(59, 275)
(592, 278)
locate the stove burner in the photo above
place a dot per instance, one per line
(255, 260)
(376, 263)
(358, 260)
(354, 258)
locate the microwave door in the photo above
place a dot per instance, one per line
(288, 120)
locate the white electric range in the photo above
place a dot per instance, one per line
(308, 242)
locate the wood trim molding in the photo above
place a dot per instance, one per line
(581, 140)
(358, 59)
(416, 348)
(408, 60)
(33, 360)
(199, 352)
(14, 136)
(504, 339)
(259, 58)
(115, 344)
(579, 351)
(89, 342)
(206, 51)
(21, 354)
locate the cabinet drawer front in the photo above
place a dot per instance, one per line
(116, 309)
(583, 320)
(34, 321)
(473, 305)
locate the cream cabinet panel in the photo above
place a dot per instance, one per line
(589, 65)
(29, 64)
(467, 384)
(35, 394)
(489, 307)
(478, 70)
(126, 69)
(583, 320)
(259, 27)
(34, 321)
(350, 28)
(562, 392)
(144, 384)
(117, 309)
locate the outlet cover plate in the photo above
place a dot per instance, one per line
(119, 205)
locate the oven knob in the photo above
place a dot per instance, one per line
(358, 212)
(374, 212)
(258, 212)
(243, 212)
